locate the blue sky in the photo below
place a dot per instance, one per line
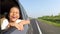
(38, 8)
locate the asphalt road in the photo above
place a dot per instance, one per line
(45, 28)
(48, 29)
(36, 29)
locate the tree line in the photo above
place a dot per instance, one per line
(51, 18)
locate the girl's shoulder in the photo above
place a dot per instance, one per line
(5, 20)
(4, 24)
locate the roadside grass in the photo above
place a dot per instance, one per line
(49, 22)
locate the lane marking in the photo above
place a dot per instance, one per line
(40, 32)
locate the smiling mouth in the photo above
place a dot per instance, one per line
(13, 17)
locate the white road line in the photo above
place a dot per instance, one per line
(38, 28)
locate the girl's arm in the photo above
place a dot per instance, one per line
(20, 25)
(24, 22)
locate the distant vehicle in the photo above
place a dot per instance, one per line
(28, 29)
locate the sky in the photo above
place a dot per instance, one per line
(39, 8)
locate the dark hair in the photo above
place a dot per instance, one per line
(8, 11)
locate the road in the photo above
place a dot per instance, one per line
(35, 26)
(48, 29)
(45, 28)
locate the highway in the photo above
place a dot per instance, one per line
(45, 28)
(35, 26)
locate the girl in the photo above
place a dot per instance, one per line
(13, 19)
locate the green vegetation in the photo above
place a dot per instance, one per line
(55, 20)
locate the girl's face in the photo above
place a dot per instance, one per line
(14, 14)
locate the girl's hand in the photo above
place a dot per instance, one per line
(11, 24)
(19, 26)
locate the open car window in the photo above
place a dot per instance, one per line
(5, 5)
